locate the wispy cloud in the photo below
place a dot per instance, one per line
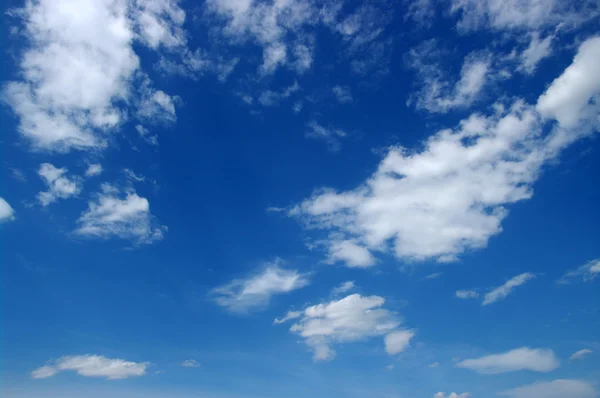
(587, 272)
(525, 358)
(92, 366)
(501, 292)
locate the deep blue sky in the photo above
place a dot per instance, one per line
(262, 182)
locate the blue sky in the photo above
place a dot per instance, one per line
(300, 198)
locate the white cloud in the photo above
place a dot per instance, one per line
(466, 294)
(18, 175)
(351, 254)
(525, 358)
(501, 292)
(122, 215)
(93, 366)
(78, 71)
(343, 287)
(398, 341)
(554, 389)
(60, 186)
(160, 23)
(290, 315)
(144, 133)
(574, 97)
(537, 50)
(437, 93)
(587, 272)
(349, 319)
(452, 395)
(190, 363)
(580, 354)
(331, 136)
(342, 94)
(434, 275)
(93, 170)
(273, 98)
(450, 196)
(255, 292)
(519, 14)
(434, 365)
(7, 213)
(421, 12)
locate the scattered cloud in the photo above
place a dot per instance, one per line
(93, 366)
(93, 170)
(7, 213)
(273, 98)
(342, 94)
(553, 389)
(18, 175)
(351, 318)
(398, 341)
(587, 272)
(537, 50)
(525, 358)
(144, 133)
(344, 287)
(434, 365)
(330, 135)
(501, 292)
(434, 275)
(353, 255)
(190, 363)
(60, 185)
(290, 315)
(452, 395)
(466, 294)
(255, 292)
(581, 354)
(123, 215)
(79, 70)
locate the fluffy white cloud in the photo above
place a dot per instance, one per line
(554, 389)
(351, 254)
(122, 215)
(79, 70)
(450, 196)
(190, 363)
(7, 213)
(398, 341)
(452, 395)
(159, 23)
(574, 97)
(501, 292)
(255, 292)
(60, 186)
(587, 272)
(437, 93)
(93, 170)
(93, 366)
(343, 288)
(525, 358)
(580, 354)
(466, 294)
(537, 50)
(342, 94)
(330, 135)
(351, 318)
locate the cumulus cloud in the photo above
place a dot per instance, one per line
(79, 70)
(7, 213)
(466, 294)
(451, 196)
(343, 287)
(501, 292)
(331, 136)
(93, 366)
(580, 354)
(437, 92)
(60, 185)
(115, 214)
(351, 254)
(349, 319)
(93, 170)
(573, 99)
(554, 389)
(587, 272)
(255, 292)
(525, 358)
(190, 363)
